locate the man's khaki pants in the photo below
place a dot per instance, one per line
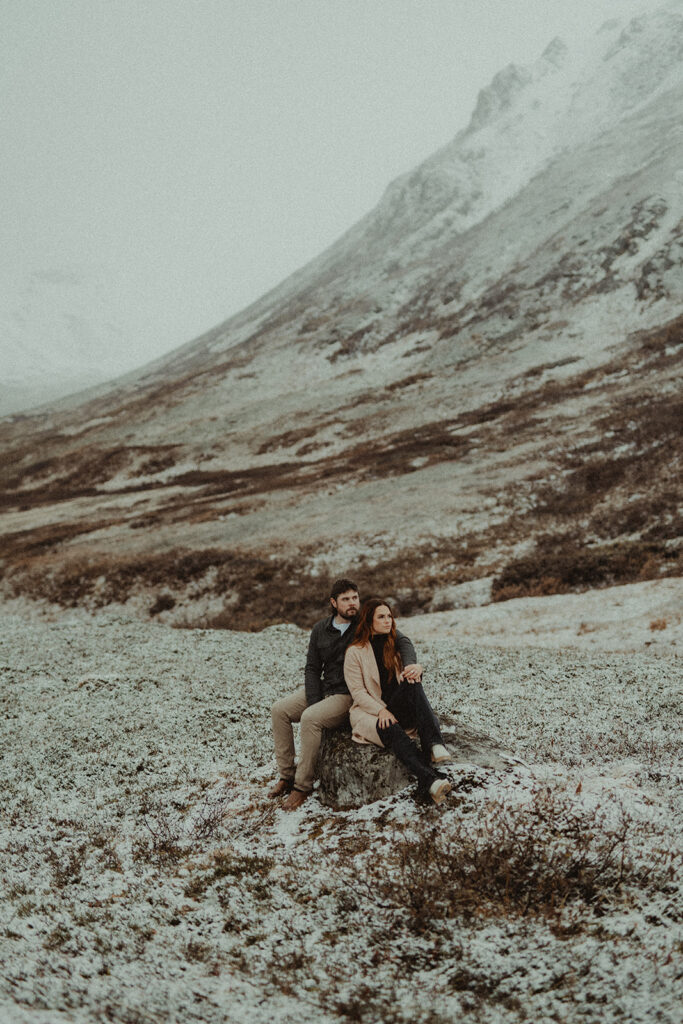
(327, 713)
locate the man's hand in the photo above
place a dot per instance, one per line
(385, 718)
(412, 673)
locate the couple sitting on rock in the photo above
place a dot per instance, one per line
(358, 665)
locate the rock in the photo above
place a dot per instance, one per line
(353, 774)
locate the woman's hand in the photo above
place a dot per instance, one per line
(412, 674)
(385, 718)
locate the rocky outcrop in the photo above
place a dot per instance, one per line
(499, 95)
(353, 774)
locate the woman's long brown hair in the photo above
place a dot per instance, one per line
(392, 659)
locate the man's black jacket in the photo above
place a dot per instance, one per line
(325, 660)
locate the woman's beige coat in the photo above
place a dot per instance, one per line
(362, 678)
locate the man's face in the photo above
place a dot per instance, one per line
(346, 605)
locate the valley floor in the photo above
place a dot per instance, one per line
(147, 877)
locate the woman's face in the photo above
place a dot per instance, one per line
(382, 620)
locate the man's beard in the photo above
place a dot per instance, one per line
(347, 616)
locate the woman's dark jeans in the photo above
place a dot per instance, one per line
(408, 703)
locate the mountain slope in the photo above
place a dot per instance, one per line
(483, 371)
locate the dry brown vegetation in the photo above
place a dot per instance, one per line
(27, 482)
(27, 544)
(269, 591)
(604, 509)
(560, 564)
(537, 859)
(420, 890)
(258, 589)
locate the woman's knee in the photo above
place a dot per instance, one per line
(387, 733)
(420, 697)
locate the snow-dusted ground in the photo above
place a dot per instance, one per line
(627, 618)
(147, 877)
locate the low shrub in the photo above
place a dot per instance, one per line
(227, 868)
(57, 938)
(559, 564)
(537, 859)
(169, 836)
(163, 603)
(198, 951)
(67, 867)
(163, 843)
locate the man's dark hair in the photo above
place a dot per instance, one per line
(341, 586)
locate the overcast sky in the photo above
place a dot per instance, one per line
(191, 153)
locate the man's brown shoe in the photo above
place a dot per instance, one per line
(295, 800)
(281, 787)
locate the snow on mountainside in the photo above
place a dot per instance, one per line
(524, 119)
(478, 381)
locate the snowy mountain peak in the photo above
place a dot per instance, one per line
(555, 52)
(499, 95)
(523, 121)
(654, 40)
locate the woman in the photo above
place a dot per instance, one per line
(388, 708)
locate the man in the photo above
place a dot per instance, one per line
(324, 700)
